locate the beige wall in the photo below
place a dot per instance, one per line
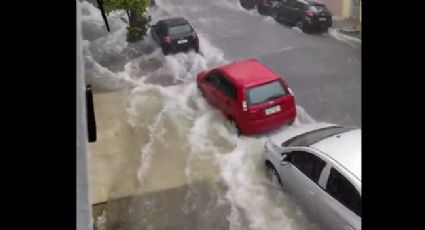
(340, 8)
(360, 13)
(346, 8)
(335, 6)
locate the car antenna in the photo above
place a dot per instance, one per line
(102, 10)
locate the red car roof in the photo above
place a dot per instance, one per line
(247, 73)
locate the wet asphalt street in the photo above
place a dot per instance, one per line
(324, 73)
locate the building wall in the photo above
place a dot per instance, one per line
(357, 11)
(346, 8)
(335, 6)
(360, 13)
(343, 8)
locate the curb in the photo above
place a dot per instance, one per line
(343, 37)
(351, 32)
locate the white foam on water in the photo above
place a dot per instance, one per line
(115, 41)
(303, 117)
(184, 66)
(269, 19)
(90, 13)
(174, 68)
(199, 150)
(173, 8)
(296, 28)
(100, 221)
(111, 45)
(239, 170)
(211, 53)
(147, 151)
(264, 206)
(101, 77)
(230, 4)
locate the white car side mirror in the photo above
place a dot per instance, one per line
(284, 159)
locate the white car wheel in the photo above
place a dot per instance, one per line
(273, 175)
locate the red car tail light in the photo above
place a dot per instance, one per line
(167, 39)
(309, 13)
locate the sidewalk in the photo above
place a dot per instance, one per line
(347, 27)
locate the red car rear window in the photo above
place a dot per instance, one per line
(266, 92)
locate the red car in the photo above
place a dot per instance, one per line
(252, 97)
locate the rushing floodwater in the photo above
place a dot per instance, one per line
(183, 137)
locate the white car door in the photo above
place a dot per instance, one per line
(340, 202)
(301, 176)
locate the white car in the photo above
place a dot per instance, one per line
(320, 166)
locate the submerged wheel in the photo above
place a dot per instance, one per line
(232, 127)
(273, 14)
(272, 175)
(300, 24)
(262, 9)
(247, 4)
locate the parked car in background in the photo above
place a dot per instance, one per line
(263, 6)
(175, 35)
(308, 15)
(253, 98)
(320, 166)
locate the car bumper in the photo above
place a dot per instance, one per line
(269, 123)
(315, 23)
(181, 48)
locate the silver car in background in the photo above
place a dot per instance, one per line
(320, 166)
